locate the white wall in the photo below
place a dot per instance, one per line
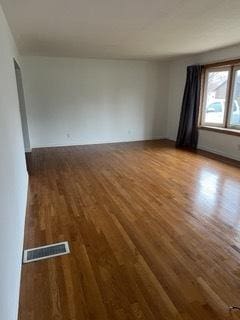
(81, 101)
(13, 179)
(220, 143)
(84, 101)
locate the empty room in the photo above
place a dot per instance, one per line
(120, 160)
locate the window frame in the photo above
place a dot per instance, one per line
(232, 66)
(204, 97)
(229, 126)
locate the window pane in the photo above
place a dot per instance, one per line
(235, 109)
(215, 97)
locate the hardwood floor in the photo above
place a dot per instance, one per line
(154, 233)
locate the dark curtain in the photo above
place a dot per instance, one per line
(188, 131)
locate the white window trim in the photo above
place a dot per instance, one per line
(207, 71)
(229, 126)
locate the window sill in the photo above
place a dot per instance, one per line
(232, 132)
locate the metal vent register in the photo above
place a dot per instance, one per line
(45, 252)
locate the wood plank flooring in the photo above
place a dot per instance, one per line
(154, 233)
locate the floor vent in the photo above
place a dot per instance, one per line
(45, 252)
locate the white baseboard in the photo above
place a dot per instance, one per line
(71, 144)
(200, 147)
(221, 153)
(171, 139)
(212, 150)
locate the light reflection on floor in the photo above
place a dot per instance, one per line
(218, 196)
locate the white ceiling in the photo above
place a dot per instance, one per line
(138, 29)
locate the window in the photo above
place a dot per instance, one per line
(221, 96)
(234, 119)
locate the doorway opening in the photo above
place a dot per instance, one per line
(23, 114)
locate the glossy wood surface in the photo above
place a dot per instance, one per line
(154, 233)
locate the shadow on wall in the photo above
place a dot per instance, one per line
(155, 102)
